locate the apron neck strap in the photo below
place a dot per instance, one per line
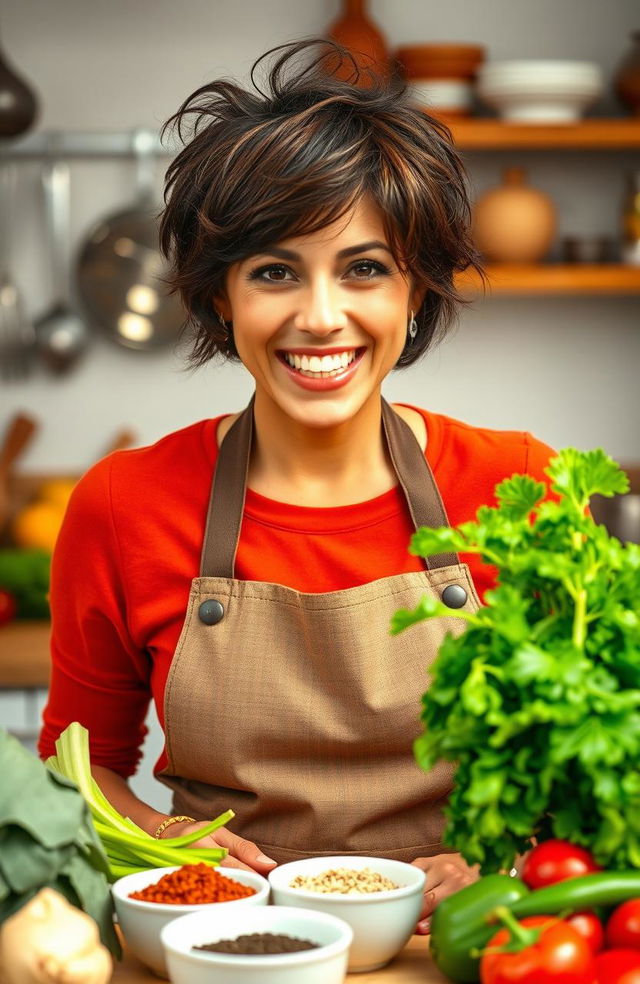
(229, 487)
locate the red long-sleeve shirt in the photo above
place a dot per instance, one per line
(130, 546)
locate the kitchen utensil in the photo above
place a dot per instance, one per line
(382, 922)
(18, 435)
(61, 334)
(17, 337)
(540, 91)
(325, 964)
(18, 104)
(120, 268)
(513, 223)
(142, 922)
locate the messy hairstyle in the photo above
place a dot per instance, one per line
(257, 167)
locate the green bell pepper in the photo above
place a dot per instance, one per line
(464, 922)
(459, 925)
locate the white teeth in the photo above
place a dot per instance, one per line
(323, 366)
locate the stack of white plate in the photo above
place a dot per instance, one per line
(548, 91)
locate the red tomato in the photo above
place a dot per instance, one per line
(589, 927)
(554, 861)
(7, 606)
(559, 956)
(618, 967)
(623, 927)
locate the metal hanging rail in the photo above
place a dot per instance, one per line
(84, 144)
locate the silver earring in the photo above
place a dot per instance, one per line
(413, 327)
(222, 321)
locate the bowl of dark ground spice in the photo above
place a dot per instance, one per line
(266, 945)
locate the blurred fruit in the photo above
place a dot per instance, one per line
(25, 575)
(8, 606)
(57, 490)
(37, 525)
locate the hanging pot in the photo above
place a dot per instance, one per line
(18, 104)
(120, 268)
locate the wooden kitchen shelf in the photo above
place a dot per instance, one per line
(515, 278)
(24, 654)
(592, 134)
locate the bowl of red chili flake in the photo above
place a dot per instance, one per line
(148, 900)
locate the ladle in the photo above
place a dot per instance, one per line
(61, 334)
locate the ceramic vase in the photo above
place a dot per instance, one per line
(357, 32)
(627, 77)
(514, 223)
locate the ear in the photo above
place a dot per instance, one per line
(417, 297)
(222, 305)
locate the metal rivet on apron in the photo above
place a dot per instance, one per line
(454, 596)
(210, 612)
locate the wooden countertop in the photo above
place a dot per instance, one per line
(24, 654)
(412, 966)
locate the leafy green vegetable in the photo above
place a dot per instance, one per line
(538, 700)
(128, 848)
(47, 839)
(25, 573)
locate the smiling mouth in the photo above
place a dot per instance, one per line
(320, 366)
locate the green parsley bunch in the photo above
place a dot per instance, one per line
(538, 700)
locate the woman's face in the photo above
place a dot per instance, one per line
(320, 320)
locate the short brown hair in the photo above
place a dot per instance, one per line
(262, 166)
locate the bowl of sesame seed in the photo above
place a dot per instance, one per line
(379, 898)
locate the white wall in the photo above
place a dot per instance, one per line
(565, 368)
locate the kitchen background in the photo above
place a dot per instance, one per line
(561, 363)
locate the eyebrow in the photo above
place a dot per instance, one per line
(288, 254)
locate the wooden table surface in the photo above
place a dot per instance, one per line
(24, 654)
(412, 966)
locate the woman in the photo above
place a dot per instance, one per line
(314, 231)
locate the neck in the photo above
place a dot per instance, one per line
(323, 466)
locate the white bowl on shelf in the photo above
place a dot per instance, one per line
(382, 922)
(142, 922)
(326, 964)
(540, 91)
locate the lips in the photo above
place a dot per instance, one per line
(320, 365)
(321, 369)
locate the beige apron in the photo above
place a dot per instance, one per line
(299, 711)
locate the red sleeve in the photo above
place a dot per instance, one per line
(99, 677)
(537, 458)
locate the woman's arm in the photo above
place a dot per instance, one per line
(242, 853)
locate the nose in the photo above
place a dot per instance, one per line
(321, 312)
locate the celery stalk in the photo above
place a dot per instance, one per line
(128, 847)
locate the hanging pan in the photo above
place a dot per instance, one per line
(120, 268)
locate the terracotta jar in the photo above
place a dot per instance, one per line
(365, 42)
(627, 77)
(514, 223)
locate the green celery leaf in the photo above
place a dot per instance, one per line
(581, 474)
(518, 495)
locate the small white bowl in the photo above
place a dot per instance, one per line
(141, 922)
(382, 922)
(327, 964)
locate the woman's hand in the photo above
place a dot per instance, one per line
(242, 853)
(446, 874)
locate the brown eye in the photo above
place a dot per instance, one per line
(273, 268)
(368, 269)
